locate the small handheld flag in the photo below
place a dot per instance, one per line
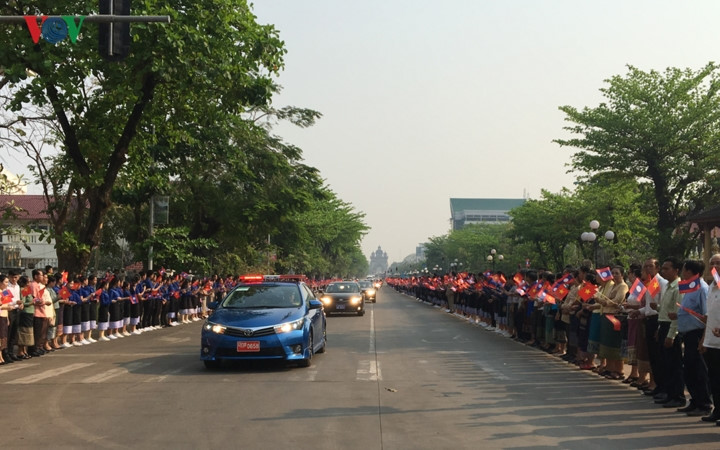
(605, 273)
(689, 285)
(637, 289)
(587, 291)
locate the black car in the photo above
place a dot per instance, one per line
(368, 291)
(343, 297)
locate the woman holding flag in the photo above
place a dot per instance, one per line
(610, 331)
(5, 306)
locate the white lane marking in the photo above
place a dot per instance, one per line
(372, 332)
(173, 340)
(164, 376)
(50, 373)
(112, 373)
(16, 367)
(490, 371)
(368, 370)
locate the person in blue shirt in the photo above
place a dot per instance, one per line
(116, 321)
(691, 330)
(104, 311)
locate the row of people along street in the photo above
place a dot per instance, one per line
(654, 326)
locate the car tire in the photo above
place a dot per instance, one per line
(212, 365)
(373, 300)
(305, 362)
(322, 349)
(361, 313)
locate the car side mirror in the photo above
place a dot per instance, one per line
(315, 304)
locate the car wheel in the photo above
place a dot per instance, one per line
(213, 365)
(361, 313)
(322, 349)
(305, 362)
(374, 300)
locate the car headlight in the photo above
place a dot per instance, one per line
(326, 300)
(370, 292)
(215, 328)
(355, 300)
(289, 326)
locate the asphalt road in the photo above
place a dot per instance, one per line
(404, 376)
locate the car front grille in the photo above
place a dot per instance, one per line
(242, 332)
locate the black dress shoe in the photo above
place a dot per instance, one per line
(686, 409)
(15, 358)
(699, 412)
(663, 400)
(8, 360)
(35, 354)
(712, 417)
(674, 403)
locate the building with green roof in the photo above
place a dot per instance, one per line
(465, 211)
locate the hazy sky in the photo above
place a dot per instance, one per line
(427, 100)
(423, 101)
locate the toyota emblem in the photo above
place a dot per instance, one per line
(248, 332)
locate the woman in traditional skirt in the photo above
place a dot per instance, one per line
(185, 306)
(611, 328)
(76, 300)
(59, 313)
(103, 317)
(5, 305)
(25, 331)
(125, 308)
(194, 302)
(116, 320)
(51, 314)
(94, 301)
(68, 310)
(629, 350)
(135, 307)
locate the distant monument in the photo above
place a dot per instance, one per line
(378, 261)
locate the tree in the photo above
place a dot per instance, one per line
(661, 130)
(212, 62)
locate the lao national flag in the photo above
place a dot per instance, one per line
(605, 273)
(716, 277)
(637, 289)
(587, 291)
(653, 287)
(689, 285)
(133, 299)
(567, 279)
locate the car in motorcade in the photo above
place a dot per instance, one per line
(368, 290)
(265, 317)
(343, 297)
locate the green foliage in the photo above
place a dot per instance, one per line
(661, 131)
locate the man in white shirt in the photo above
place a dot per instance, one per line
(14, 315)
(711, 343)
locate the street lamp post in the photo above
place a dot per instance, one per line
(493, 256)
(590, 236)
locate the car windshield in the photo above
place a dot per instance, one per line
(342, 287)
(365, 284)
(263, 296)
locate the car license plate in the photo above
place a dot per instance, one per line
(339, 306)
(248, 346)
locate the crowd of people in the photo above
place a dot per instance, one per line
(48, 312)
(658, 322)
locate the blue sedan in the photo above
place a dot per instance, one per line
(265, 320)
